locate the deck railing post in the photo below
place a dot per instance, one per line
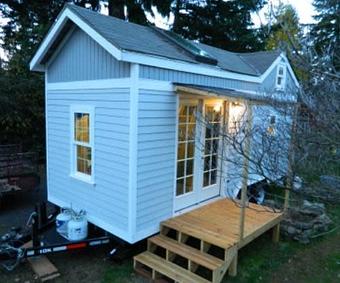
(245, 168)
(291, 156)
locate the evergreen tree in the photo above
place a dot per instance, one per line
(224, 24)
(22, 91)
(284, 33)
(28, 22)
(134, 10)
(326, 33)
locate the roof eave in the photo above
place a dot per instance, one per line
(65, 15)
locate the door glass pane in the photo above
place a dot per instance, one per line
(180, 187)
(213, 119)
(190, 167)
(213, 175)
(180, 169)
(206, 179)
(186, 148)
(191, 149)
(182, 132)
(181, 151)
(188, 184)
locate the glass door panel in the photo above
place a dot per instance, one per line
(213, 119)
(186, 149)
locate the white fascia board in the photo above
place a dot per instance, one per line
(51, 36)
(270, 69)
(46, 43)
(275, 64)
(165, 63)
(289, 67)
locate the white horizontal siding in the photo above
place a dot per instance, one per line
(107, 200)
(155, 158)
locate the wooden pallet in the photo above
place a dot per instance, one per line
(202, 245)
(42, 266)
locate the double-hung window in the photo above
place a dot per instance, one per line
(281, 77)
(82, 142)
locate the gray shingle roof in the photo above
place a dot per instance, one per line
(143, 39)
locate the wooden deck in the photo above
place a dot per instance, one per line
(201, 245)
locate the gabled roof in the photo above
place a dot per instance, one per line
(133, 43)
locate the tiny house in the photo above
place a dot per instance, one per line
(121, 104)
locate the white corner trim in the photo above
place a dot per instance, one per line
(47, 136)
(133, 149)
(91, 84)
(53, 33)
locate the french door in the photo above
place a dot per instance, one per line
(198, 147)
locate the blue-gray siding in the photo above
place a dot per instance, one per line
(149, 72)
(156, 157)
(81, 58)
(107, 200)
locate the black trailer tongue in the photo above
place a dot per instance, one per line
(39, 237)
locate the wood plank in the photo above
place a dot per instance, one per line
(197, 232)
(233, 266)
(276, 233)
(188, 252)
(262, 229)
(42, 266)
(168, 269)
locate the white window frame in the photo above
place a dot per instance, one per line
(212, 139)
(86, 109)
(283, 76)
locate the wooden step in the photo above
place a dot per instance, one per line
(169, 269)
(197, 232)
(192, 254)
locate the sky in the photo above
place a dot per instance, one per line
(304, 9)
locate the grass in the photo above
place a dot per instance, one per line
(122, 273)
(259, 259)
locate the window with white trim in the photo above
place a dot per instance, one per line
(281, 76)
(82, 142)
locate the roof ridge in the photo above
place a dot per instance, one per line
(98, 14)
(257, 52)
